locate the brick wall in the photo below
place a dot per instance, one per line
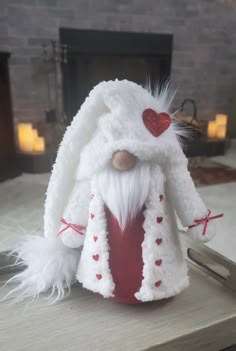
(204, 56)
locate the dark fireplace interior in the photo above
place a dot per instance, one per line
(94, 56)
(8, 166)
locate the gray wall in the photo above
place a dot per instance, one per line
(204, 57)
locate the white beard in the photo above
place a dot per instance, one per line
(124, 193)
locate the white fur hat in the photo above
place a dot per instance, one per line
(110, 119)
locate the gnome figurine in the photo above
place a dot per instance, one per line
(119, 177)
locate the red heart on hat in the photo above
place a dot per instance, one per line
(155, 122)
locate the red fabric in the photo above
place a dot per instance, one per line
(126, 263)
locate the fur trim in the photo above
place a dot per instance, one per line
(165, 95)
(50, 265)
(96, 242)
(173, 272)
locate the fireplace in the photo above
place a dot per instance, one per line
(8, 164)
(93, 56)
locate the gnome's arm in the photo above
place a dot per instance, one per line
(75, 217)
(188, 205)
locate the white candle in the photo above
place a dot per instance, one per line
(25, 137)
(35, 133)
(221, 132)
(211, 129)
(39, 145)
(221, 120)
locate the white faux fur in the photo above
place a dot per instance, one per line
(76, 211)
(124, 193)
(49, 265)
(109, 120)
(121, 128)
(165, 95)
(96, 242)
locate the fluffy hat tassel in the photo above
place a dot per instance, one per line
(50, 266)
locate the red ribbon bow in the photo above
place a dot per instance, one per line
(205, 221)
(77, 228)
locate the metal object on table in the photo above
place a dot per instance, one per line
(211, 262)
(8, 263)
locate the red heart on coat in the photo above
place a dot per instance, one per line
(161, 197)
(159, 241)
(91, 215)
(155, 122)
(158, 262)
(159, 219)
(157, 284)
(99, 276)
(95, 238)
(96, 257)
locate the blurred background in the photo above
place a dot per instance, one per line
(52, 52)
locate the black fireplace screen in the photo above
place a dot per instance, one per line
(93, 56)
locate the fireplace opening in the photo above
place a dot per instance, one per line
(93, 56)
(8, 163)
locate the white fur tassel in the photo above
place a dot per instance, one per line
(50, 265)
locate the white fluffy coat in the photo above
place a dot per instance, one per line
(109, 120)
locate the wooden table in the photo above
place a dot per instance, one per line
(203, 317)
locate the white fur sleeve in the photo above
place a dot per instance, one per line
(76, 213)
(187, 203)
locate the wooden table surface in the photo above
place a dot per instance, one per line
(203, 317)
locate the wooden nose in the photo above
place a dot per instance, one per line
(123, 160)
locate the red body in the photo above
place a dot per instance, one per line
(126, 263)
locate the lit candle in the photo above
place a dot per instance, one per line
(25, 137)
(221, 132)
(221, 120)
(35, 133)
(211, 130)
(39, 145)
